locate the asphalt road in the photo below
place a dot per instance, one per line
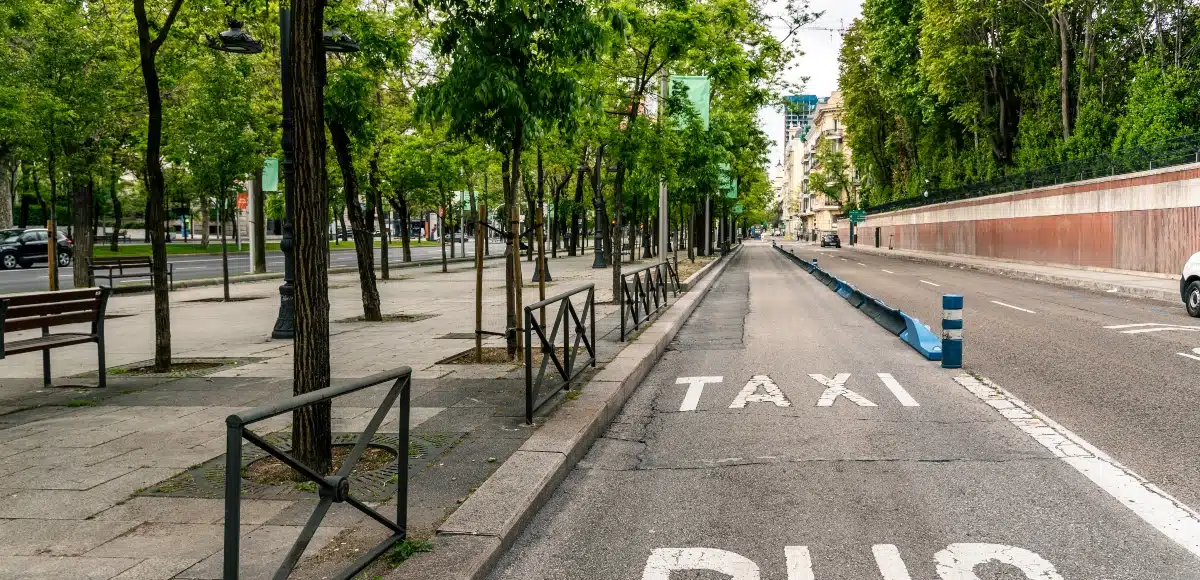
(1126, 390)
(192, 266)
(769, 472)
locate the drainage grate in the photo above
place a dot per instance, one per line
(207, 480)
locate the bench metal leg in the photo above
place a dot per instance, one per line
(46, 367)
(100, 356)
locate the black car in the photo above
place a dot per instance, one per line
(28, 246)
(831, 240)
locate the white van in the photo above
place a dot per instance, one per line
(1189, 285)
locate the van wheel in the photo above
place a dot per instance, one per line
(1192, 302)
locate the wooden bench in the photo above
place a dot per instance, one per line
(122, 235)
(46, 310)
(116, 268)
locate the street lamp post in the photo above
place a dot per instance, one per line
(238, 41)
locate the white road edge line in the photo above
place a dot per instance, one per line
(888, 271)
(861, 264)
(1191, 356)
(1168, 515)
(1013, 307)
(930, 283)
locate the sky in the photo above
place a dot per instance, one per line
(818, 63)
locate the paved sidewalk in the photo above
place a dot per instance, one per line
(1137, 284)
(114, 483)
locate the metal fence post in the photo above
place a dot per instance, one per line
(402, 459)
(952, 331)
(528, 367)
(233, 497)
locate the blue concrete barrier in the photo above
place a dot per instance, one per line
(911, 330)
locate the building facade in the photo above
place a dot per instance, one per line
(818, 210)
(797, 118)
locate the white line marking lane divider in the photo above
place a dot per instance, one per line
(1191, 356)
(1168, 515)
(888, 271)
(1013, 307)
(930, 283)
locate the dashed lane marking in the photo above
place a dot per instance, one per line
(888, 271)
(861, 264)
(1195, 356)
(930, 283)
(1013, 307)
(1168, 515)
(1145, 327)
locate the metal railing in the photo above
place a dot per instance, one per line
(649, 285)
(1176, 151)
(330, 489)
(567, 366)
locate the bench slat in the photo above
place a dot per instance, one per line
(30, 298)
(48, 341)
(11, 325)
(87, 305)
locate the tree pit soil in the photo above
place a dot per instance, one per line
(271, 471)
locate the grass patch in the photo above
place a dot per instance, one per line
(82, 403)
(407, 549)
(309, 486)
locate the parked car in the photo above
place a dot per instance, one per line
(1189, 285)
(25, 247)
(831, 239)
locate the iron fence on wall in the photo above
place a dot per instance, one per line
(1176, 151)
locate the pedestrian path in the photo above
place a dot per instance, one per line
(785, 435)
(117, 483)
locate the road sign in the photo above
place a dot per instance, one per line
(857, 216)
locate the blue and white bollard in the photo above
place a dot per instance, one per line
(814, 261)
(952, 331)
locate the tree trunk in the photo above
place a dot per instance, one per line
(400, 202)
(204, 221)
(258, 221)
(601, 210)
(618, 194)
(8, 187)
(514, 282)
(573, 248)
(311, 438)
(1063, 24)
(221, 217)
(116, 203)
(442, 224)
(51, 215)
(364, 244)
(83, 193)
(380, 213)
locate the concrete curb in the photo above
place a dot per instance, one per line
(474, 538)
(1065, 281)
(202, 282)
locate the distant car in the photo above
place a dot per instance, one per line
(1189, 285)
(25, 247)
(831, 240)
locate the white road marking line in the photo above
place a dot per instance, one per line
(1162, 329)
(930, 283)
(1191, 356)
(695, 389)
(888, 271)
(958, 561)
(898, 391)
(749, 393)
(836, 387)
(663, 561)
(861, 264)
(1116, 326)
(1013, 307)
(1168, 515)
(799, 563)
(891, 567)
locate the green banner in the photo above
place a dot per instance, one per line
(728, 185)
(738, 209)
(270, 174)
(698, 89)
